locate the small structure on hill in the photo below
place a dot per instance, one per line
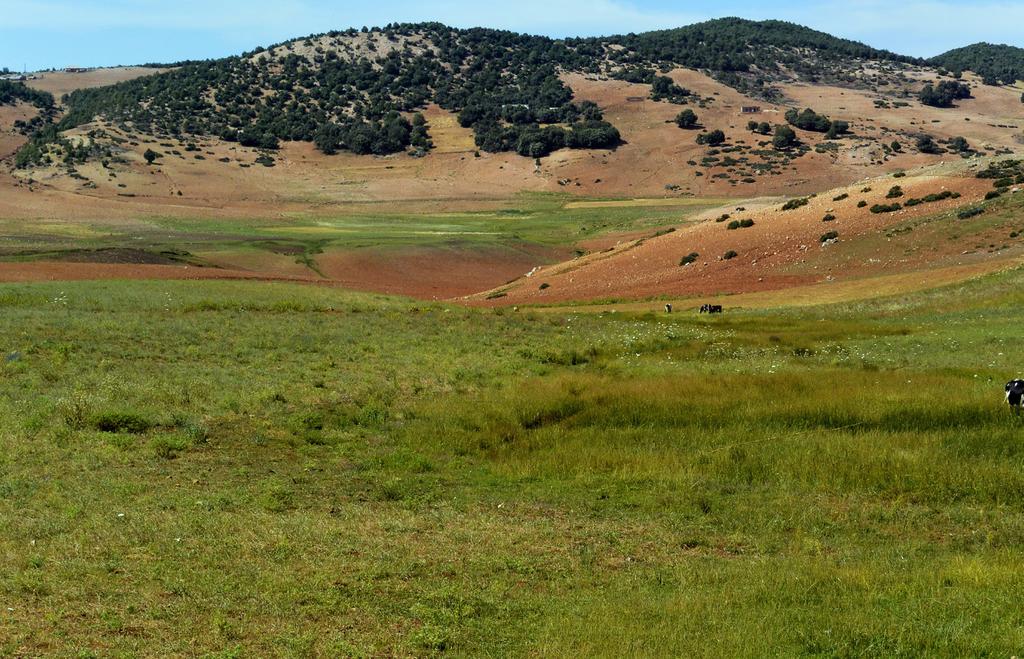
(751, 109)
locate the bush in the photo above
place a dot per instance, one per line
(785, 137)
(828, 218)
(730, 255)
(895, 192)
(689, 258)
(810, 120)
(793, 204)
(121, 422)
(841, 197)
(150, 155)
(885, 208)
(714, 138)
(968, 213)
(838, 129)
(943, 94)
(925, 144)
(862, 204)
(686, 119)
(831, 235)
(993, 194)
(740, 224)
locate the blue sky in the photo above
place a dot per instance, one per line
(58, 33)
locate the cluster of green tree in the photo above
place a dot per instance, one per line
(714, 138)
(761, 128)
(639, 75)
(665, 89)
(943, 94)
(391, 134)
(784, 138)
(47, 140)
(809, 120)
(994, 63)
(10, 92)
(537, 142)
(927, 144)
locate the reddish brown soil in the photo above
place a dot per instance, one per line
(424, 273)
(429, 273)
(782, 249)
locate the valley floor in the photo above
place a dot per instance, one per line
(269, 469)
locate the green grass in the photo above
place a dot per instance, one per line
(236, 469)
(524, 221)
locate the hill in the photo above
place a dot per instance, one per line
(346, 90)
(995, 63)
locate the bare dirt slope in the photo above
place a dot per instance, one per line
(783, 248)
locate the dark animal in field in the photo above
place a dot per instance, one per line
(712, 308)
(668, 308)
(1015, 395)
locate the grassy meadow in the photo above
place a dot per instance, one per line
(232, 469)
(541, 221)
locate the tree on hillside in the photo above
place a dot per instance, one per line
(837, 129)
(150, 155)
(926, 144)
(809, 120)
(664, 88)
(943, 94)
(687, 119)
(960, 145)
(714, 138)
(785, 137)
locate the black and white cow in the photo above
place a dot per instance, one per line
(1015, 395)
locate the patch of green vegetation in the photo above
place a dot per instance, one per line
(305, 471)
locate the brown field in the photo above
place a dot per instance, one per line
(59, 83)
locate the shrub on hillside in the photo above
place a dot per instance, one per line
(809, 120)
(944, 94)
(687, 119)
